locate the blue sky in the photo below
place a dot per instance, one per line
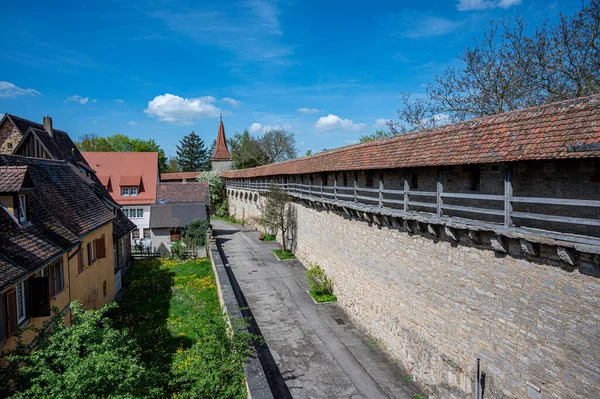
(330, 71)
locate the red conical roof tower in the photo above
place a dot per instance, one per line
(221, 150)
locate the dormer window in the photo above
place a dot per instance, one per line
(22, 208)
(129, 191)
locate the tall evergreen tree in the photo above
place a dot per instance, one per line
(192, 155)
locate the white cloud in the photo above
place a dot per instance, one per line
(469, 5)
(331, 121)
(120, 101)
(9, 90)
(171, 108)
(80, 99)
(305, 110)
(133, 123)
(231, 101)
(255, 127)
(417, 24)
(259, 127)
(380, 123)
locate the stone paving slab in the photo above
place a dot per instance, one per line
(317, 356)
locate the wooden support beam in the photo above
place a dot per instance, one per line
(355, 188)
(440, 190)
(508, 192)
(406, 189)
(335, 186)
(380, 191)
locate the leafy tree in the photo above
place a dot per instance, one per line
(89, 359)
(172, 165)
(278, 145)
(121, 143)
(508, 69)
(379, 134)
(194, 235)
(277, 212)
(216, 188)
(308, 153)
(274, 146)
(246, 151)
(191, 153)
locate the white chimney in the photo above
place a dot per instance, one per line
(48, 125)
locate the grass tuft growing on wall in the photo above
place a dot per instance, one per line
(284, 255)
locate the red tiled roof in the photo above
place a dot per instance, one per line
(221, 150)
(130, 181)
(530, 134)
(179, 176)
(12, 178)
(125, 168)
(104, 180)
(182, 192)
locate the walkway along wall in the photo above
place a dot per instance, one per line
(437, 303)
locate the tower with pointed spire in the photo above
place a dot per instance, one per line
(221, 159)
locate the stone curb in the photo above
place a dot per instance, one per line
(256, 381)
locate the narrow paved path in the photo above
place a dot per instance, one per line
(311, 351)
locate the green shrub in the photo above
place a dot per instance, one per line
(178, 250)
(321, 287)
(89, 359)
(222, 210)
(268, 237)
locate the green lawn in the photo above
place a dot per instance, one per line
(172, 310)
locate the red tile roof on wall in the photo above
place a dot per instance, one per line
(179, 176)
(126, 168)
(530, 134)
(221, 150)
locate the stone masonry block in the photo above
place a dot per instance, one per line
(452, 233)
(499, 244)
(433, 230)
(475, 236)
(529, 248)
(567, 255)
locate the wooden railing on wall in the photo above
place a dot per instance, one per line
(408, 202)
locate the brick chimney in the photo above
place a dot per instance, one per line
(48, 125)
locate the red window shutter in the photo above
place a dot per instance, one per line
(11, 311)
(101, 247)
(89, 251)
(80, 264)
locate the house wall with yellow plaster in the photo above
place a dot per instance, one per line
(86, 287)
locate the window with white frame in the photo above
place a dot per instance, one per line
(134, 213)
(129, 191)
(56, 278)
(22, 208)
(21, 303)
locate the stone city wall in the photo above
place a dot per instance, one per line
(436, 304)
